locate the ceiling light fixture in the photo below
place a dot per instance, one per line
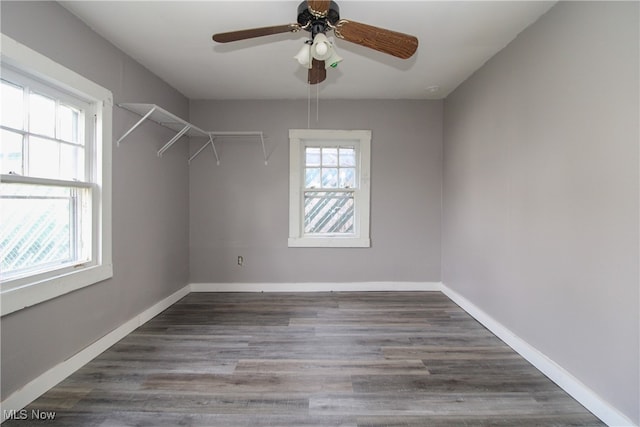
(304, 55)
(321, 49)
(334, 59)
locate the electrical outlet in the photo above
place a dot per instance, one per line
(240, 260)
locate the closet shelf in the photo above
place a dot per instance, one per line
(164, 118)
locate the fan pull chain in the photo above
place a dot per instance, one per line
(309, 92)
(308, 106)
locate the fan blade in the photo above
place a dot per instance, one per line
(233, 36)
(318, 8)
(387, 41)
(317, 72)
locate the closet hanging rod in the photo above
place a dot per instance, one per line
(256, 133)
(213, 135)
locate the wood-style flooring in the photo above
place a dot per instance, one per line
(348, 359)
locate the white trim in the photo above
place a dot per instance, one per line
(58, 373)
(27, 291)
(15, 299)
(556, 373)
(24, 58)
(19, 179)
(298, 140)
(328, 242)
(317, 287)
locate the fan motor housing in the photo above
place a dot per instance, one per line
(315, 24)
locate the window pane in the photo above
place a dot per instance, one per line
(329, 177)
(69, 124)
(44, 158)
(42, 115)
(312, 178)
(328, 212)
(36, 227)
(312, 156)
(11, 152)
(71, 162)
(330, 156)
(12, 114)
(347, 178)
(347, 157)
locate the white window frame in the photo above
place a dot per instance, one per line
(298, 140)
(27, 291)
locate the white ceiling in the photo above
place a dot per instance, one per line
(173, 39)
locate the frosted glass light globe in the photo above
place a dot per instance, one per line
(321, 49)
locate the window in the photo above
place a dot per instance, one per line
(55, 135)
(329, 188)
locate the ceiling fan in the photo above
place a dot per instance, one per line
(318, 17)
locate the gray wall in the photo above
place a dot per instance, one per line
(150, 199)
(241, 207)
(540, 218)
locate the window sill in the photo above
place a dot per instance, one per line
(329, 242)
(18, 298)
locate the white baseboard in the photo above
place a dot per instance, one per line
(317, 287)
(58, 373)
(556, 373)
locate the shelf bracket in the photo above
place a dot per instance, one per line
(211, 138)
(264, 150)
(214, 150)
(173, 140)
(145, 117)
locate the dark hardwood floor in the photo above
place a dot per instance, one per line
(310, 359)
